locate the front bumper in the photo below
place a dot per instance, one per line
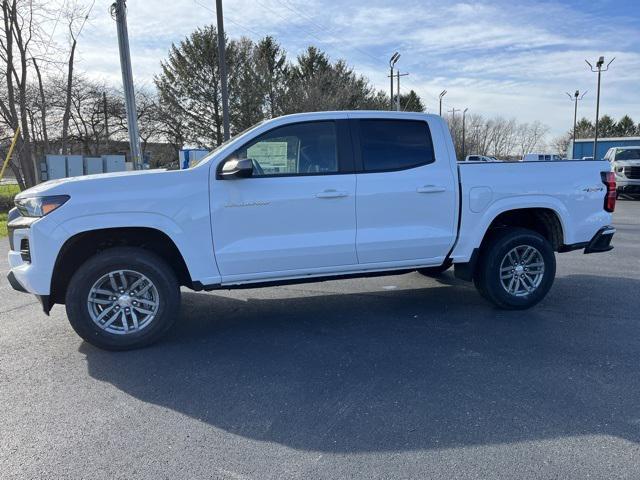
(44, 300)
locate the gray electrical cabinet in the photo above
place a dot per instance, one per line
(93, 165)
(56, 166)
(114, 163)
(75, 165)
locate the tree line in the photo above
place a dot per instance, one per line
(60, 110)
(607, 127)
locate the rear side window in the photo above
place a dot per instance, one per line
(395, 144)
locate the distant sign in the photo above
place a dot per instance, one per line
(270, 155)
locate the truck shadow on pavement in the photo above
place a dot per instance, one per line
(397, 370)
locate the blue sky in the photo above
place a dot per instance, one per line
(510, 58)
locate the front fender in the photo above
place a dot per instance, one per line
(193, 241)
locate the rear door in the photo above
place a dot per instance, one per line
(407, 193)
(296, 212)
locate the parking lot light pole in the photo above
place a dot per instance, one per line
(575, 98)
(464, 119)
(442, 94)
(222, 66)
(392, 61)
(598, 69)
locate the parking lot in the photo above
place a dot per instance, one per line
(392, 377)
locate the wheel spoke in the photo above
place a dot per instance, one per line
(137, 283)
(145, 289)
(104, 313)
(125, 325)
(101, 301)
(112, 280)
(123, 280)
(110, 321)
(102, 291)
(151, 303)
(143, 310)
(134, 318)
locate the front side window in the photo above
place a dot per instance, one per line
(298, 149)
(395, 144)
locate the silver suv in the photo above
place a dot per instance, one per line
(625, 163)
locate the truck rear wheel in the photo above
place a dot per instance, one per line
(516, 268)
(123, 298)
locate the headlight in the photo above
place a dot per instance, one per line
(40, 206)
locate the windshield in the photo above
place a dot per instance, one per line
(225, 143)
(628, 154)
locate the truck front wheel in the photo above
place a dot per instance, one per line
(516, 268)
(123, 298)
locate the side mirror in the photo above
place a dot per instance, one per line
(234, 168)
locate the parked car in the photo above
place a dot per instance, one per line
(480, 158)
(541, 157)
(301, 198)
(625, 163)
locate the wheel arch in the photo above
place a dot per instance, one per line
(83, 245)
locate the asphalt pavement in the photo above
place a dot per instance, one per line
(399, 377)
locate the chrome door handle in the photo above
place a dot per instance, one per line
(430, 189)
(332, 194)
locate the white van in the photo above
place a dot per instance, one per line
(541, 157)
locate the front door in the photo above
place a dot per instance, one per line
(295, 213)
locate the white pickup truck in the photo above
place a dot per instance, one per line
(301, 198)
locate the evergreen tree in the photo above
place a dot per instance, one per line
(607, 127)
(625, 127)
(411, 102)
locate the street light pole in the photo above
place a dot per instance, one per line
(442, 94)
(598, 69)
(398, 75)
(119, 13)
(464, 137)
(575, 99)
(392, 61)
(222, 66)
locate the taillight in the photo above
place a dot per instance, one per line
(609, 179)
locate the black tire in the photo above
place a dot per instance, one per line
(123, 258)
(436, 271)
(487, 275)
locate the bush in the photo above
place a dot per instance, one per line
(7, 192)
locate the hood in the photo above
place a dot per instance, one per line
(63, 185)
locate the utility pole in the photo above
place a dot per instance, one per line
(575, 98)
(598, 69)
(119, 12)
(398, 75)
(222, 66)
(442, 94)
(453, 123)
(392, 61)
(464, 136)
(106, 122)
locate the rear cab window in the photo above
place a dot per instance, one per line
(389, 144)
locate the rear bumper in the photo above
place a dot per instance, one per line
(601, 242)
